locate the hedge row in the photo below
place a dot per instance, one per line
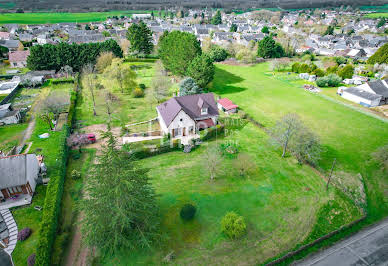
(52, 202)
(62, 80)
(145, 152)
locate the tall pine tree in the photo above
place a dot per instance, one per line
(140, 37)
(119, 207)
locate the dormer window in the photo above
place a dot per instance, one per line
(204, 111)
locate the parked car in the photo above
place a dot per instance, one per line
(91, 137)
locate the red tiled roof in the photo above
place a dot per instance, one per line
(206, 123)
(227, 104)
(19, 56)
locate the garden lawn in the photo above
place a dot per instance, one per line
(377, 15)
(126, 110)
(278, 195)
(346, 134)
(52, 17)
(28, 217)
(10, 135)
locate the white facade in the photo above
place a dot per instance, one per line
(182, 125)
(360, 100)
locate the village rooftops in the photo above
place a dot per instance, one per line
(379, 87)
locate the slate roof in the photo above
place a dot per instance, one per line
(378, 87)
(10, 43)
(19, 56)
(363, 94)
(13, 170)
(190, 104)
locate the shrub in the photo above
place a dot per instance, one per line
(346, 72)
(31, 260)
(142, 86)
(233, 225)
(380, 56)
(217, 53)
(318, 72)
(229, 150)
(138, 93)
(75, 175)
(340, 60)
(332, 70)
(75, 154)
(304, 68)
(331, 80)
(295, 67)
(24, 234)
(187, 212)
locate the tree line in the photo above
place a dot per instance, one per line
(50, 56)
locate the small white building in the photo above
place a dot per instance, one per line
(141, 16)
(361, 97)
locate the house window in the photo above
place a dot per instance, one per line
(203, 111)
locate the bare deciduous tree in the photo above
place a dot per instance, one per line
(104, 60)
(89, 81)
(381, 157)
(52, 106)
(212, 162)
(122, 74)
(285, 130)
(244, 164)
(306, 146)
(160, 84)
(125, 44)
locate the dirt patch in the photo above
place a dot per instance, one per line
(98, 130)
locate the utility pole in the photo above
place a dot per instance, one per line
(331, 173)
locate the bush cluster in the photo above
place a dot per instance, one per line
(233, 225)
(75, 175)
(217, 53)
(218, 130)
(24, 234)
(332, 80)
(138, 93)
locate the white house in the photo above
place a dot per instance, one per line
(182, 117)
(8, 115)
(370, 94)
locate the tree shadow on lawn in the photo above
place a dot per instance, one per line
(223, 80)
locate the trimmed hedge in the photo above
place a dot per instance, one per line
(145, 152)
(62, 80)
(52, 202)
(213, 132)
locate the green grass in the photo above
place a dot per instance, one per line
(11, 135)
(2, 96)
(52, 17)
(280, 194)
(377, 15)
(28, 217)
(126, 110)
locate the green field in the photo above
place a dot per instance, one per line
(52, 17)
(377, 15)
(346, 134)
(278, 195)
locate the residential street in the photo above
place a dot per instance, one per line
(368, 247)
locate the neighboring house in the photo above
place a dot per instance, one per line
(370, 94)
(361, 97)
(4, 35)
(8, 115)
(8, 87)
(12, 45)
(182, 117)
(18, 59)
(19, 175)
(227, 105)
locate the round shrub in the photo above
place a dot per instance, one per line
(188, 212)
(295, 67)
(24, 234)
(346, 72)
(217, 53)
(142, 86)
(31, 260)
(318, 72)
(233, 225)
(138, 93)
(304, 68)
(333, 80)
(75, 175)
